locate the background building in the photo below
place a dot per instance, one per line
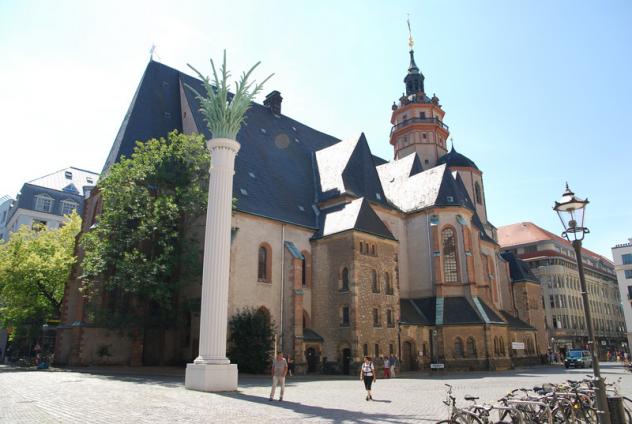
(622, 256)
(5, 206)
(552, 260)
(46, 200)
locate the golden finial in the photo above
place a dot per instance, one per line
(411, 42)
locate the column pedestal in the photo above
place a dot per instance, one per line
(211, 377)
(212, 371)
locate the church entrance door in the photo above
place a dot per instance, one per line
(346, 361)
(407, 356)
(312, 359)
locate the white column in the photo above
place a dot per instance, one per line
(211, 370)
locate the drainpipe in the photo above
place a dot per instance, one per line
(282, 282)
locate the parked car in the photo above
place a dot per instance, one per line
(578, 359)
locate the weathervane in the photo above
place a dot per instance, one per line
(151, 52)
(411, 42)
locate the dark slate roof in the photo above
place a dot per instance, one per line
(515, 322)
(356, 215)
(275, 173)
(348, 167)
(153, 113)
(411, 314)
(518, 269)
(456, 310)
(491, 314)
(454, 158)
(26, 199)
(311, 335)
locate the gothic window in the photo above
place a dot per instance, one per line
(477, 193)
(374, 282)
(502, 346)
(471, 347)
(388, 283)
(450, 271)
(345, 279)
(373, 251)
(376, 317)
(306, 277)
(496, 347)
(345, 316)
(458, 347)
(389, 318)
(265, 258)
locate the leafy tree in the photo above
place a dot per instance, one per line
(139, 253)
(35, 264)
(251, 341)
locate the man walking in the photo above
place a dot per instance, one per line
(279, 370)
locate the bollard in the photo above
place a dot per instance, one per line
(617, 413)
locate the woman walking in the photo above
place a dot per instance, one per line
(367, 374)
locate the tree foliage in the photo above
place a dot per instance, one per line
(34, 266)
(139, 253)
(251, 341)
(223, 114)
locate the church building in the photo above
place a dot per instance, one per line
(349, 254)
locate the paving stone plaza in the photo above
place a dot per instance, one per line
(120, 395)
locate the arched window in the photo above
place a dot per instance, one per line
(450, 270)
(502, 346)
(345, 279)
(362, 248)
(373, 250)
(458, 347)
(388, 283)
(496, 347)
(263, 269)
(477, 193)
(471, 347)
(374, 282)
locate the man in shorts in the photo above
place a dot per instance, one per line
(279, 370)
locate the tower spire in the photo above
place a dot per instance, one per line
(415, 79)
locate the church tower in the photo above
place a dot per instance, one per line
(418, 119)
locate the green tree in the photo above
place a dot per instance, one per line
(251, 341)
(34, 266)
(140, 252)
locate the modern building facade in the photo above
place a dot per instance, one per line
(350, 254)
(552, 259)
(46, 200)
(622, 256)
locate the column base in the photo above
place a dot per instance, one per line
(211, 378)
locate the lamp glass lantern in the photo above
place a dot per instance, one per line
(571, 211)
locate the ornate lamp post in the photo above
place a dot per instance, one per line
(571, 210)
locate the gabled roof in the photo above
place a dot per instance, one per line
(409, 193)
(275, 173)
(71, 179)
(356, 215)
(515, 323)
(456, 159)
(527, 232)
(347, 167)
(454, 310)
(519, 270)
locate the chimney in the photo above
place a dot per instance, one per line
(273, 101)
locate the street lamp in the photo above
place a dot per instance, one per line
(571, 210)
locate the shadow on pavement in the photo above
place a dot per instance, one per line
(333, 414)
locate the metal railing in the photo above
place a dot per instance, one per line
(411, 121)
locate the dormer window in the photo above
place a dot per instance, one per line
(90, 180)
(68, 175)
(67, 206)
(449, 199)
(43, 203)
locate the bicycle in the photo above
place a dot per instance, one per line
(458, 415)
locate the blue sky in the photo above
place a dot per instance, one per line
(535, 92)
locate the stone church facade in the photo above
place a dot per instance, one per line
(348, 253)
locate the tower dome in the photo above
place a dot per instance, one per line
(454, 158)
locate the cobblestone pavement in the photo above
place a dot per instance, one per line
(132, 396)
